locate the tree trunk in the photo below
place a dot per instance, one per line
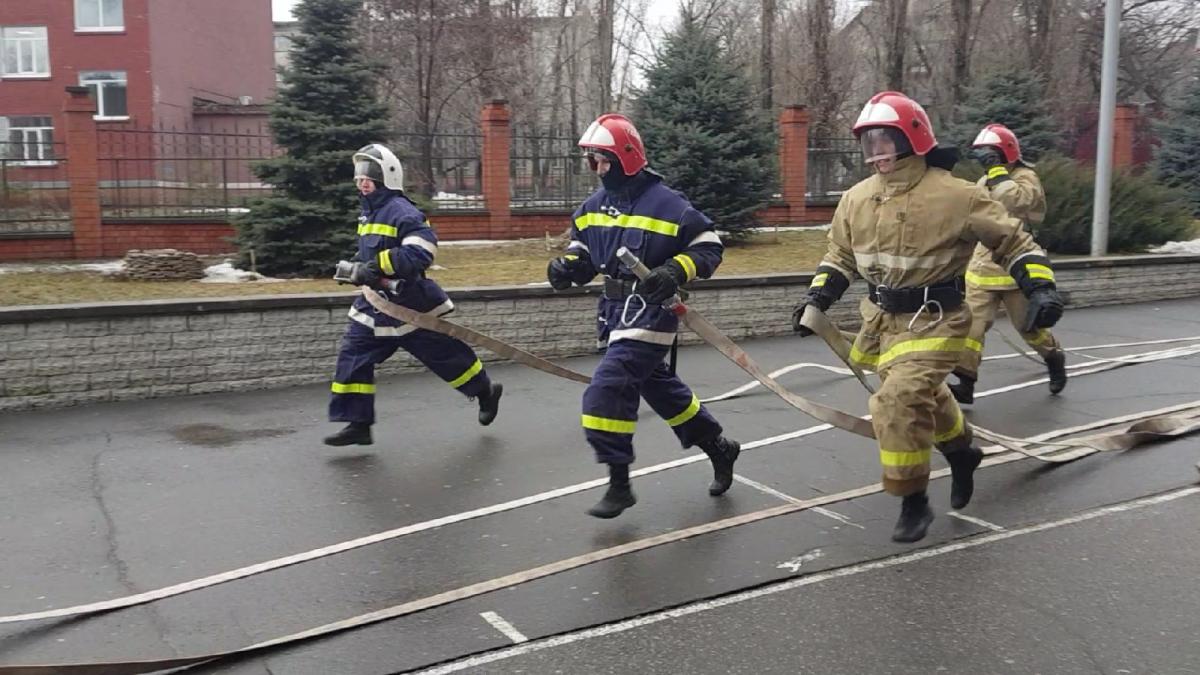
(897, 44)
(767, 57)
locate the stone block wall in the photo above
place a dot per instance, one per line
(75, 354)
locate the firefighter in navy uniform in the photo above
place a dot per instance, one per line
(1011, 181)
(635, 210)
(910, 230)
(395, 246)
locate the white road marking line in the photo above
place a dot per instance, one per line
(975, 521)
(821, 577)
(796, 563)
(499, 623)
(792, 500)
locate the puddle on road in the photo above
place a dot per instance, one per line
(217, 436)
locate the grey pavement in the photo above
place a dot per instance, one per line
(109, 500)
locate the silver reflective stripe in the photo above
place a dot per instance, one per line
(578, 244)
(413, 240)
(1017, 259)
(641, 335)
(709, 237)
(361, 317)
(903, 262)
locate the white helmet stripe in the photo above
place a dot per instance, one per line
(597, 135)
(987, 137)
(877, 113)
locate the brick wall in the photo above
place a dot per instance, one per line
(73, 354)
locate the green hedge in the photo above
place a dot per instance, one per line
(1144, 212)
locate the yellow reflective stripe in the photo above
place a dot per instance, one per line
(1041, 336)
(605, 424)
(689, 267)
(351, 388)
(914, 458)
(955, 431)
(997, 171)
(819, 280)
(1039, 271)
(378, 228)
(385, 263)
(637, 222)
(980, 280)
(688, 413)
(950, 344)
(471, 372)
(571, 257)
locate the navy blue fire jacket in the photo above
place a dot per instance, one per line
(657, 224)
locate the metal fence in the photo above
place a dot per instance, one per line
(34, 189)
(834, 165)
(546, 169)
(156, 173)
(445, 167)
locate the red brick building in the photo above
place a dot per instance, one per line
(149, 63)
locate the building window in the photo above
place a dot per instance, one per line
(99, 15)
(108, 90)
(26, 51)
(27, 140)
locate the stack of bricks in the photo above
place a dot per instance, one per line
(165, 264)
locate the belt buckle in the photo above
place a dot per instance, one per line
(880, 291)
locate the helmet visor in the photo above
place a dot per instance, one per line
(883, 143)
(366, 168)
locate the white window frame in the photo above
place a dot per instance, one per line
(100, 13)
(40, 137)
(44, 40)
(99, 84)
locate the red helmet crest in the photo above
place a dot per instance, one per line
(1000, 137)
(895, 110)
(616, 134)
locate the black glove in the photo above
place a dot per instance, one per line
(662, 282)
(815, 300)
(366, 274)
(1045, 309)
(559, 274)
(988, 157)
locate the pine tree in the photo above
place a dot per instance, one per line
(1015, 98)
(1175, 159)
(326, 109)
(703, 130)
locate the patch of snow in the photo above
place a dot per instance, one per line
(226, 273)
(106, 267)
(1192, 247)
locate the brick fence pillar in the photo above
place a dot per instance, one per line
(793, 161)
(1124, 128)
(497, 141)
(83, 172)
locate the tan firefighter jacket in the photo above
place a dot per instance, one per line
(1024, 198)
(915, 227)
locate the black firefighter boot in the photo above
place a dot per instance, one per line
(355, 433)
(1056, 365)
(962, 475)
(723, 453)
(618, 497)
(489, 403)
(915, 517)
(964, 390)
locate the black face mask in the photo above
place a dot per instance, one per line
(615, 179)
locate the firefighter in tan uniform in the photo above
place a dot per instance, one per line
(909, 231)
(1013, 183)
